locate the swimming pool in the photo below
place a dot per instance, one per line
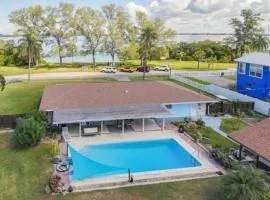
(138, 156)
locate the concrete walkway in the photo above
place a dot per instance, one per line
(214, 123)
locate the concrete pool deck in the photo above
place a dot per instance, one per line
(208, 166)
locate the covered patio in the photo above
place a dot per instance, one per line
(116, 119)
(256, 140)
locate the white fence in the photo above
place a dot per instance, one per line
(206, 73)
(260, 106)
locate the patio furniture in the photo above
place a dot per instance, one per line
(90, 131)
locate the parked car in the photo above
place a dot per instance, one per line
(162, 68)
(142, 69)
(109, 70)
(127, 69)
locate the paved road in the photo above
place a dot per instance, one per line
(119, 75)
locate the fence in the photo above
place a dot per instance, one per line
(259, 105)
(206, 73)
(230, 107)
(8, 121)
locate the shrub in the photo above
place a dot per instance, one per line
(200, 123)
(30, 129)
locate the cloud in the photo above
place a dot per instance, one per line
(132, 8)
(205, 15)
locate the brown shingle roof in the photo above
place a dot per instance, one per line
(100, 95)
(255, 138)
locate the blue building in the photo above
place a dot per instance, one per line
(253, 75)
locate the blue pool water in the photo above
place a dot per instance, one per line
(138, 156)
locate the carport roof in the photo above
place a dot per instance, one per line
(67, 116)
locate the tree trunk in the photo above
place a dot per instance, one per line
(61, 60)
(29, 64)
(113, 62)
(198, 66)
(94, 59)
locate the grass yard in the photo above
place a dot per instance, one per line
(230, 77)
(24, 174)
(9, 71)
(149, 77)
(55, 68)
(18, 98)
(217, 140)
(231, 125)
(186, 65)
(198, 81)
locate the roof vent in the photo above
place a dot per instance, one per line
(126, 91)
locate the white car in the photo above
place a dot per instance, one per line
(109, 70)
(164, 68)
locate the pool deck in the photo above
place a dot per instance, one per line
(208, 166)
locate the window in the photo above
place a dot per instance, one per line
(242, 68)
(256, 71)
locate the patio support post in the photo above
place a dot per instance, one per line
(101, 127)
(80, 129)
(240, 153)
(163, 124)
(257, 161)
(123, 126)
(142, 124)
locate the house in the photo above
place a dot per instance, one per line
(253, 75)
(255, 139)
(120, 106)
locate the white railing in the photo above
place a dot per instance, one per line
(260, 106)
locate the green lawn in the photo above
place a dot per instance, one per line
(55, 68)
(24, 174)
(150, 77)
(9, 71)
(230, 77)
(186, 65)
(216, 140)
(230, 125)
(198, 81)
(21, 97)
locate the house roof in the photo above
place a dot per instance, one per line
(258, 58)
(256, 138)
(102, 95)
(67, 116)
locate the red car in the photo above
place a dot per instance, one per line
(143, 69)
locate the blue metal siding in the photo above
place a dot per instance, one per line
(259, 87)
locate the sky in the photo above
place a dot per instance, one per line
(180, 15)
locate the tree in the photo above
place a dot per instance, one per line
(211, 60)
(116, 24)
(248, 183)
(151, 32)
(180, 55)
(248, 33)
(199, 56)
(90, 24)
(58, 22)
(31, 30)
(30, 46)
(2, 82)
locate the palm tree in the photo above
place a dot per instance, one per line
(30, 46)
(248, 183)
(147, 40)
(2, 82)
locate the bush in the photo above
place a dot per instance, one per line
(200, 123)
(30, 130)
